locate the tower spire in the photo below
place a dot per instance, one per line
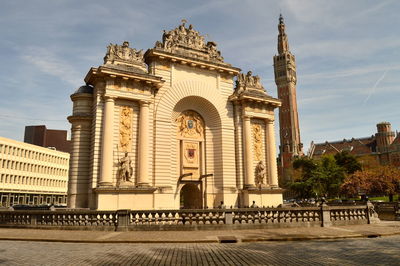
(285, 79)
(283, 44)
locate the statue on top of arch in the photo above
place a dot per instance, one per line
(123, 53)
(249, 80)
(181, 38)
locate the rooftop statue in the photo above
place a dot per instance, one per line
(123, 54)
(189, 42)
(249, 80)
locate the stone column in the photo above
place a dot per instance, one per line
(271, 153)
(143, 144)
(107, 143)
(248, 153)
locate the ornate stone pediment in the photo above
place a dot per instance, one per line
(189, 42)
(124, 55)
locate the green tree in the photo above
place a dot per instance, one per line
(348, 162)
(317, 178)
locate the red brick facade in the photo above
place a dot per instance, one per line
(384, 146)
(41, 136)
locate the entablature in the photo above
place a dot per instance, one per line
(105, 72)
(158, 55)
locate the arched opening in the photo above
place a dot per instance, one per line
(190, 197)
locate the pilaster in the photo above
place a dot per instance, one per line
(143, 178)
(248, 153)
(271, 153)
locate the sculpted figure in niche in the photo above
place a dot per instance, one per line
(125, 169)
(260, 174)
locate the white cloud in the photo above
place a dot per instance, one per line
(51, 64)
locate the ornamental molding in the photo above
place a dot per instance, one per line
(257, 134)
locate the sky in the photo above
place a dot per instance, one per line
(347, 54)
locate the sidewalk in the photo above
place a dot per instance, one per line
(384, 228)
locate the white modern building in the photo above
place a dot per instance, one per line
(31, 174)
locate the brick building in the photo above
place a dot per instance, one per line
(32, 175)
(41, 136)
(384, 146)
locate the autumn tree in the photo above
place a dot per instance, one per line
(382, 180)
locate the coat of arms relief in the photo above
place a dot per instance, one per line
(190, 125)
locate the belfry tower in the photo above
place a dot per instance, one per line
(285, 79)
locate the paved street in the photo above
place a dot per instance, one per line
(366, 251)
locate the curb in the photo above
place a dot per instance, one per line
(107, 241)
(239, 240)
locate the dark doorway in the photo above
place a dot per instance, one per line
(190, 197)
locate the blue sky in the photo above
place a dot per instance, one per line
(347, 53)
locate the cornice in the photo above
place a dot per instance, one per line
(105, 72)
(198, 63)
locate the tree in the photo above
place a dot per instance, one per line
(348, 162)
(382, 180)
(317, 178)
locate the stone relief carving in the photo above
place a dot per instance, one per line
(181, 38)
(125, 128)
(190, 125)
(249, 80)
(257, 131)
(123, 52)
(125, 169)
(260, 174)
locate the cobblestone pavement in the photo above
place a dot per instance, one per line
(370, 251)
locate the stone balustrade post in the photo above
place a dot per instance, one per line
(228, 217)
(325, 215)
(33, 218)
(123, 220)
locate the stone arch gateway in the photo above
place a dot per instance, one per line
(171, 115)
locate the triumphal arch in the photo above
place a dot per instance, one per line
(173, 127)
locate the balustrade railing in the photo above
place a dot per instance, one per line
(340, 213)
(190, 219)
